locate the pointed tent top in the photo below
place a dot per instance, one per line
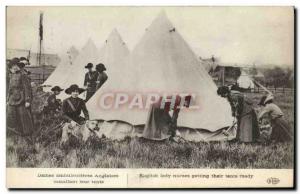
(115, 32)
(89, 45)
(160, 28)
(114, 43)
(161, 22)
(114, 37)
(162, 14)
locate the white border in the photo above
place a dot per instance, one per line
(5, 3)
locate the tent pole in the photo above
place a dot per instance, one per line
(263, 87)
(223, 77)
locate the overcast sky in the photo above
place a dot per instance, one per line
(243, 35)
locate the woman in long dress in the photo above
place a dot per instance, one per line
(242, 110)
(19, 98)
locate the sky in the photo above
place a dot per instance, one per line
(236, 35)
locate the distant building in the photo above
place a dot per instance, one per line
(226, 75)
(255, 73)
(46, 58)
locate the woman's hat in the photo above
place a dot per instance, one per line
(223, 90)
(73, 88)
(56, 88)
(89, 65)
(21, 65)
(24, 60)
(100, 67)
(15, 60)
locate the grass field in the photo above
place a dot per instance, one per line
(140, 153)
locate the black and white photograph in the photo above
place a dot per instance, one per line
(161, 87)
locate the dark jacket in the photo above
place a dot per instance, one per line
(19, 89)
(19, 117)
(101, 79)
(52, 103)
(90, 80)
(72, 108)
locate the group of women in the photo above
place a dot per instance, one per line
(248, 120)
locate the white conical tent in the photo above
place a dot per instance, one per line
(75, 74)
(88, 54)
(162, 62)
(245, 81)
(60, 71)
(113, 52)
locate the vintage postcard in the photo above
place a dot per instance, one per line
(150, 97)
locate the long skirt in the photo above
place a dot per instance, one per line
(20, 120)
(281, 130)
(89, 94)
(248, 130)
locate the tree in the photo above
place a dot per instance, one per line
(278, 77)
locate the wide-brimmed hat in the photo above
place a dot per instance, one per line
(15, 60)
(100, 67)
(21, 65)
(56, 88)
(73, 88)
(223, 90)
(89, 65)
(24, 60)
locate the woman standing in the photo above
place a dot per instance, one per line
(280, 128)
(19, 117)
(102, 76)
(90, 81)
(242, 110)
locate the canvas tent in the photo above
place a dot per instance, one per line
(114, 50)
(162, 62)
(113, 53)
(245, 81)
(74, 74)
(61, 70)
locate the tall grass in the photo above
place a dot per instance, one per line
(141, 153)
